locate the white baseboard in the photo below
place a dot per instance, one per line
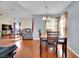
(73, 51)
(36, 39)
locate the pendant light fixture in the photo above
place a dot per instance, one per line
(46, 18)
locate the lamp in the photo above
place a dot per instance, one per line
(46, 18)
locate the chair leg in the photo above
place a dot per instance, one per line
(63, 50)
(66, 48)
(56, 52)
(40, 51)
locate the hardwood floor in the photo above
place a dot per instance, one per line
(30, 49)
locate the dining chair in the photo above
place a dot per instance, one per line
(52, 40)
(42, 40)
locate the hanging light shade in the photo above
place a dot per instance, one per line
(47, 18)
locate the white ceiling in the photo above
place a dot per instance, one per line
(29, 8)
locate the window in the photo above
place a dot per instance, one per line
(58, 24)
(63, 25)
(52, 24)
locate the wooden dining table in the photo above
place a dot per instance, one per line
(44, 36)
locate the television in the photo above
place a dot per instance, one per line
(6, 27)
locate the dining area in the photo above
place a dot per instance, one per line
(53, 40)
(51, 44)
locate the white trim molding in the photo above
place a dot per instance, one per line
(36, 39)
(73, 51)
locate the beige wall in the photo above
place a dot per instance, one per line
(26, 23)
(5, 19)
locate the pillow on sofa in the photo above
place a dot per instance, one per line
(28, 30)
